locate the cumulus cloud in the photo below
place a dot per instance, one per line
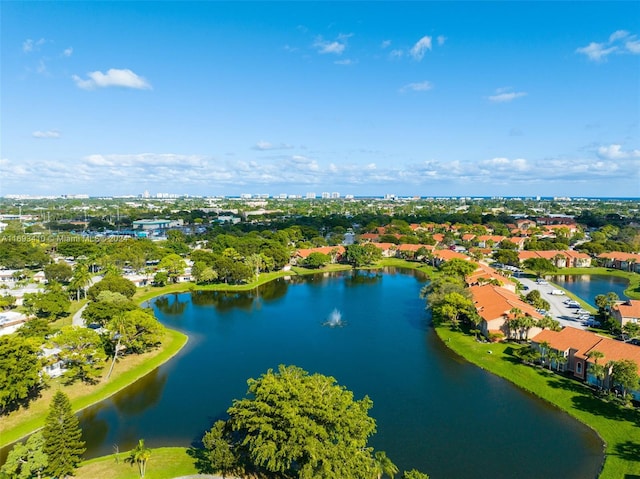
(504, 95)
(619, 42)
(615, 152)
(420, 86)
(420, 48)
(30, 45)
(49, 134)
(113, 78)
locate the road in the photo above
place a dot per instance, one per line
(558, 310)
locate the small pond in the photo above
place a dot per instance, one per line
(588, 286)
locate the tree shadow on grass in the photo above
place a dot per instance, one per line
(629, 451)
(606, 409)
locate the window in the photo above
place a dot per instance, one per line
(579, 367)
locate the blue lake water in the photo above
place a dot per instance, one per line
(434, 411)
(588, 286)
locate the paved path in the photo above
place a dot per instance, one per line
(558, 310)
(77, 318)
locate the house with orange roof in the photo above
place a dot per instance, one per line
(518, 241)
(626, 312)
(486, 274)
(388, 249)
(496, 306)
(365, 237)
(438, 237)
(620, 260)
(560, 258)
(334, 252)
(468, 236)
(577, 347)
(489, 241)
(525, 224)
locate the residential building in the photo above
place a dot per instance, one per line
(626, 312)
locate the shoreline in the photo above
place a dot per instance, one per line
(612, 466)
(148, 367)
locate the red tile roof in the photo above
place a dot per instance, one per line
(494, 302)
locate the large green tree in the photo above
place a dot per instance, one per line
(112, 282)
(63, 442)
(82, 352)
(299, 425)
(19, 371)
(26, 460)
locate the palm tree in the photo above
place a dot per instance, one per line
(139, 455)
(598, 371)
(81, 279)
(545, 348)
(383, 465)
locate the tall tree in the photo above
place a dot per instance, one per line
(218, 449)
(81, 351)
(19, 371)
(625, 375)
(62, 435)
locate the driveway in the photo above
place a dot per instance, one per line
(558, 310)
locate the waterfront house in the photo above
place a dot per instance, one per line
(496, 306)
(577, 347)
(621, 261)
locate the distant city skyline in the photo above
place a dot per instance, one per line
(513, 99)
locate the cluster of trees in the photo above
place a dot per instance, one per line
(56, 450)
(293, 424)
(448, 297)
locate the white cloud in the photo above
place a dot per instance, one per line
(67, 52)
(335, 47)
(421, 46)
(618, 35)
(346, 61)
(597, 51)
(441, 39)
(30, 45)
(420, 86)
(113, 78)
(619, 42)
(385, 44)
(615, 152)
(49, 134)
(266, 146)
(504, 95)
(633, 46)
(396, 53)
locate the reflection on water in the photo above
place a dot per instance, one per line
(588, 286)
(171, 304)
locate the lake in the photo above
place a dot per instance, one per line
(588, 286)
(434, 411)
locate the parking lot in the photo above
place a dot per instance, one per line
(558, 310)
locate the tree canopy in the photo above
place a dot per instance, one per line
(19, 371)
(297, 425)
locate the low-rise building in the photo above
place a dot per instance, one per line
(626, 312)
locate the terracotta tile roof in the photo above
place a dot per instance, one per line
(494, 302)
(495, 238)
(438, 236)
(468, 236)
(447, 254)
(620, 256)
(629, 309)
(414, 247)
(304, 253)
(585, 341)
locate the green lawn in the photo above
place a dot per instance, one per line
(165, 463)
(618, 427)
(20, 423)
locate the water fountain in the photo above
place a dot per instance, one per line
(335, 319)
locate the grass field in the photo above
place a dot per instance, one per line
(164, 463)
(617, 426)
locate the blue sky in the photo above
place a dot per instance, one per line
(364, 98)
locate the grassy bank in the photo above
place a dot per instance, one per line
(24, 421)
(618, 427)
(165, 463)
